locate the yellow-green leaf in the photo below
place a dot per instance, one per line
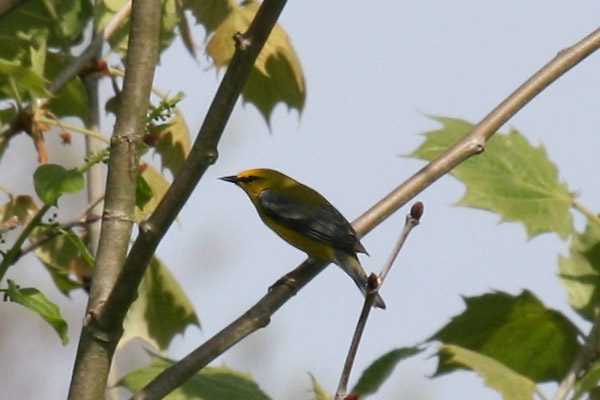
(106, 10)
(511, 178)
(20, 208)
(210, 13)
(159, 185)
(509, 383)
(161, 311)
(320, 393)
(173, 144)
(580, 271)
(59, 256)
(277, 74)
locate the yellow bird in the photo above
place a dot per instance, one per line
(305, 219)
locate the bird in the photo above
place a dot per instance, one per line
(305, 219)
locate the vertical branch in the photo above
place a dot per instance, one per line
(95, 177)
(203, 154)
(99, 336)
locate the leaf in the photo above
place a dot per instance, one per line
(518, 331)
(161, 311)
(106, 10)
(277, 74)
(22, 208)
(320, 393)
(510, 178)
(28, 83)
(173, 143)
(59, 255)
(143, 192)
(52, 180)
(158, 185)
(580, 271)
(71, 100)
(210, 13)
(61, 22)
(34, 300)
(509, 383)
(209, 384)
(381, 369)
(87, 257)
(589, 381)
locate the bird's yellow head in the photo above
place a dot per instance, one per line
(253, 181)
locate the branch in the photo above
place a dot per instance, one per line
(375, 282)
(100, 335)
(586, 355)
(473, 143)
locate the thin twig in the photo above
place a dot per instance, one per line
(14, 253)
(591, 216)
(375, 283)
(85, 218)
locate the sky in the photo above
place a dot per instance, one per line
(374, 71)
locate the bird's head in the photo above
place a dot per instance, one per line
(253, 181)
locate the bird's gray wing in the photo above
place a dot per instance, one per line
(325, 224)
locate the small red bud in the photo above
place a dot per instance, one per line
(417, 210)
(373, 282)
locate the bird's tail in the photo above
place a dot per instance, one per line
(350, 264)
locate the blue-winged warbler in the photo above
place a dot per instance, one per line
(305, 219)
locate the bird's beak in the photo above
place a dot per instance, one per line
(232, 179)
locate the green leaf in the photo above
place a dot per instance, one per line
(87, 257)
(52, 180)
(511, 178)
(509, 383)
(589, 381)
(381, 369)
(71, 100)
(61, 22)
(59, 256)
(161, 311)
(34, 300)
(518, 331)
(38, 58)
(277, 74)
(27, 82)
(209, 384)
(580, 271)
(143, 192)
(158, 186)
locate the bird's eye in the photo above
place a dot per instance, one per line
(248, 179)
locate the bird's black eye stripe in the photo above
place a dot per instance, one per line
(248, 179)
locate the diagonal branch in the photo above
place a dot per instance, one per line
(473, 143)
